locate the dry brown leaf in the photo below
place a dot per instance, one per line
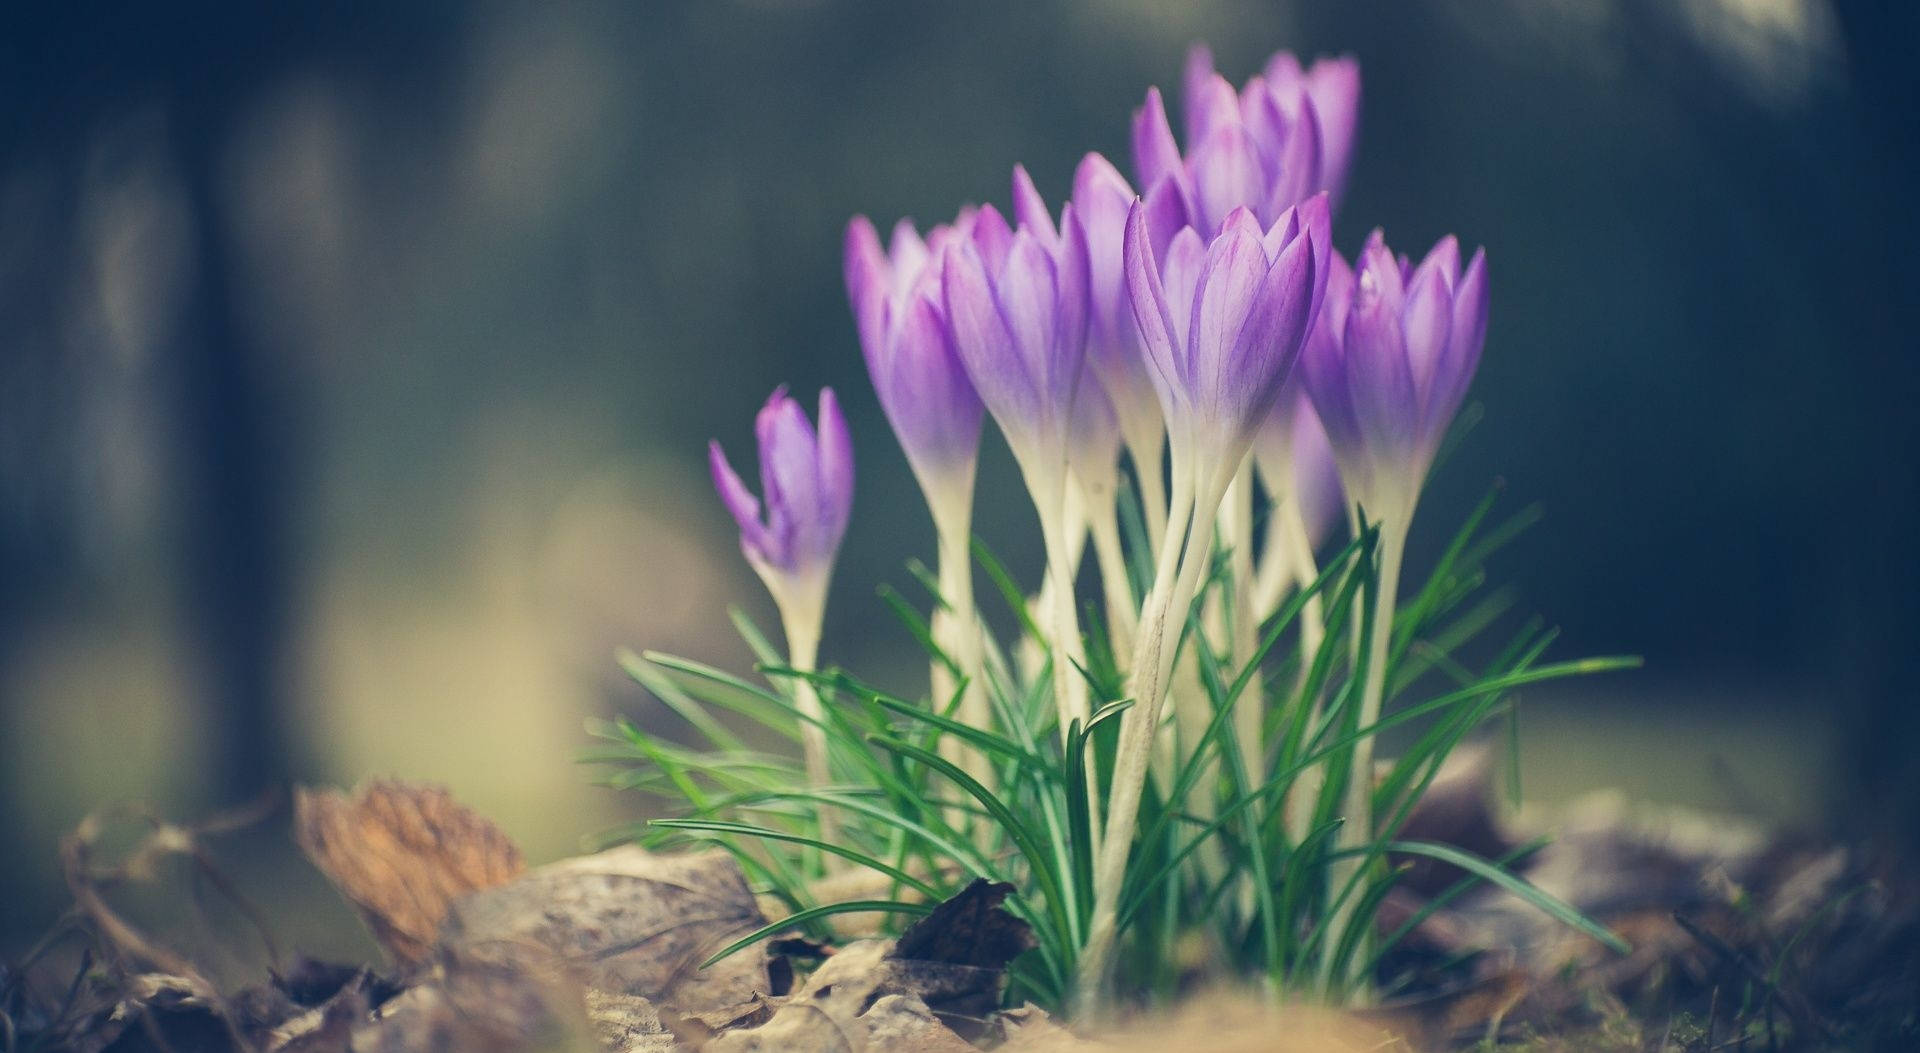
(625, 921)
(402, 853)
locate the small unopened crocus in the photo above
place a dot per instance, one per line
(1387, 367)
(807, 479)
(1017, 304)
(1263, 148)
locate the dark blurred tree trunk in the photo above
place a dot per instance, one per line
(239, 473)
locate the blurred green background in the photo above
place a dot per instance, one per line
(357, 363)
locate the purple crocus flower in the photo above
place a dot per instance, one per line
(1265, 147)
(808, 482)
(1389, 363)
(898, 308)
(1223, 324)
(1017, 304)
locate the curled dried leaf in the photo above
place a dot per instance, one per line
(402, 853)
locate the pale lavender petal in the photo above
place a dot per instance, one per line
(1283, 68)
(1443, 257)
(1264, 351)
(1235, 269)
(908, 252)
(1167, 214)
(1194, 78)
(1225, 174)
(1334, 86)
(991, 237)
(1211, 105)
(1426, 323)
(1028, 298)
(1155, 154)
(835, 475)
(1071, 289)
(985, 345)
(1296, 172)
(1186, 258)
(739, 501)
(869, 283)
(1376, 359)
(1160, 327)
(1102, 199)
(1029, 208)
(1468, 336)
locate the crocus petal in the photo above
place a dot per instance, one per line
(986, 346)
(1225, 173)
(1296, 168)
(1236, 265)
(1264, 351)
(1028, 298)
(869, 281)
(1211, 105)
(991, 237)
(1186, 259)
(1167, 214)
(1334, 86)
(739, 501)
(1155, 154)
(834, 467)
(1426, 323)
(1467, 337)
(1376, 360)
(1195, 76)
(1029, 208)
(1159, 331)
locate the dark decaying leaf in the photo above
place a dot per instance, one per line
(402, 853)
(971, 928)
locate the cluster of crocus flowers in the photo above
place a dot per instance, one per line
(1196, 319)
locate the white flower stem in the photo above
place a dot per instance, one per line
(1357, 808)
(1161, 620)
(1123, 617)
(1297, 555)
(1147, 468)
(802, 630)
(1069, 688)
(956, 629)
(1249, 710)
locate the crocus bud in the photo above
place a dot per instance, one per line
(1264, 148)
(1389, 363)
(1223, 324)
(1016, 301)
(923, 389)
(808, 482)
